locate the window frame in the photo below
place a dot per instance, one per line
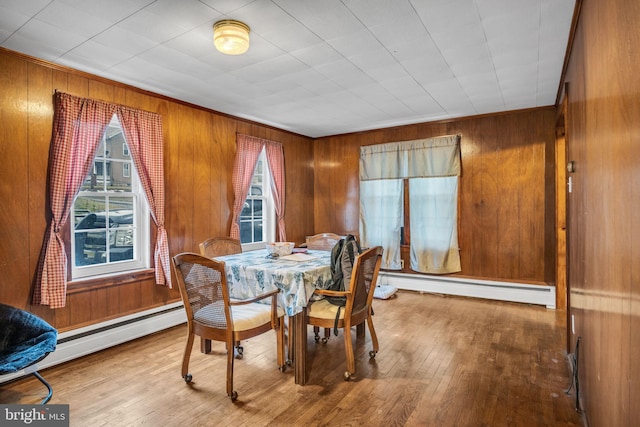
(268, 205)
(141, 226)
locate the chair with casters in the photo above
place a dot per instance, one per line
(358, 306)
(322, 241)
(213, 316)
(25, 339)
(220, 246)
(211, 248)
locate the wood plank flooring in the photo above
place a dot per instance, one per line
(443, 361)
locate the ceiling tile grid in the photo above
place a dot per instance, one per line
(315, 68)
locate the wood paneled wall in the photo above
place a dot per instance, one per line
(199, 153)
(506, 193)
(603, 139)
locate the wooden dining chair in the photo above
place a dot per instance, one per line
(322, 241)
(212, 315)
(211, 248)
(357, 307)
(220, 246)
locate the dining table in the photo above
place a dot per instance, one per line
(252, 273)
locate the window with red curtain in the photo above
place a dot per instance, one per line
(248, 152)
(78, 129)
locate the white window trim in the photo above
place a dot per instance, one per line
(268, 209)
(141, 229)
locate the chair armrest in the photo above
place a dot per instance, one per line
(255, 299)
(331, 293)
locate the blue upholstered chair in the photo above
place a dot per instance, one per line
(25, 339)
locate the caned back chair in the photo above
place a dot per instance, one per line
(213, 316)
(322, 241)
(220, 246)
(211, 248)
(357, 307)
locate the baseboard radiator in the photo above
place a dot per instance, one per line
(83, 341)
(488, 289)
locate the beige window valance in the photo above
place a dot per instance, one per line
(420, 158)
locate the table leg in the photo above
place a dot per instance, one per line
(360, 330)
(205, 345)
(299, 337)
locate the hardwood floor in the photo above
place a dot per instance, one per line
(443, 361)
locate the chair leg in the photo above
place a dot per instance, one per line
(374, 337)
(348, 346)
(185, 359)
(230, 356)
(43, 381)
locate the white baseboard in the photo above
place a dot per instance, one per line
(488, 289)
(82, 341)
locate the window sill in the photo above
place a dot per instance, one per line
(92, 283)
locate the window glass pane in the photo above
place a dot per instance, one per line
(251, 219)
(110, 212)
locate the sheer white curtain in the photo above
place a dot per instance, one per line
(434, 231)
(381, 218)
(432, 167)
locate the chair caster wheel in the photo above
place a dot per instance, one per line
(234, 396)
(347, 376)
(317, 338)
(282, 368)
(372, 354)
(289, 362)
(188, 378)
(324, 340)
(240, 351)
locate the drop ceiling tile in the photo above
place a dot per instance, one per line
(328, 19)
(227, 6)
(21, 7)
(124, 40)
(343, 73)
(94, 57)
(10, 21)
(270, 69)
(378, 12)
(65, 17)
(112, 10)
(43, 40)
(318, 54)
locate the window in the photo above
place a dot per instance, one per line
(257, 219)
(110, 231)
(408, 195)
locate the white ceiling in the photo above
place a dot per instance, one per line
(315, 67)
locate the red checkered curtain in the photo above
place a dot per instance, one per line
(275, 157)
(143, 132)
(247, 152)
(77, 129)
(79, 124)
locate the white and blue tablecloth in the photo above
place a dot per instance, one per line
(253, 273)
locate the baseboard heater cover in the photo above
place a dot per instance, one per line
(487, 289)
(83, 341)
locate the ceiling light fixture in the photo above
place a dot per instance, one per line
(231, 37)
